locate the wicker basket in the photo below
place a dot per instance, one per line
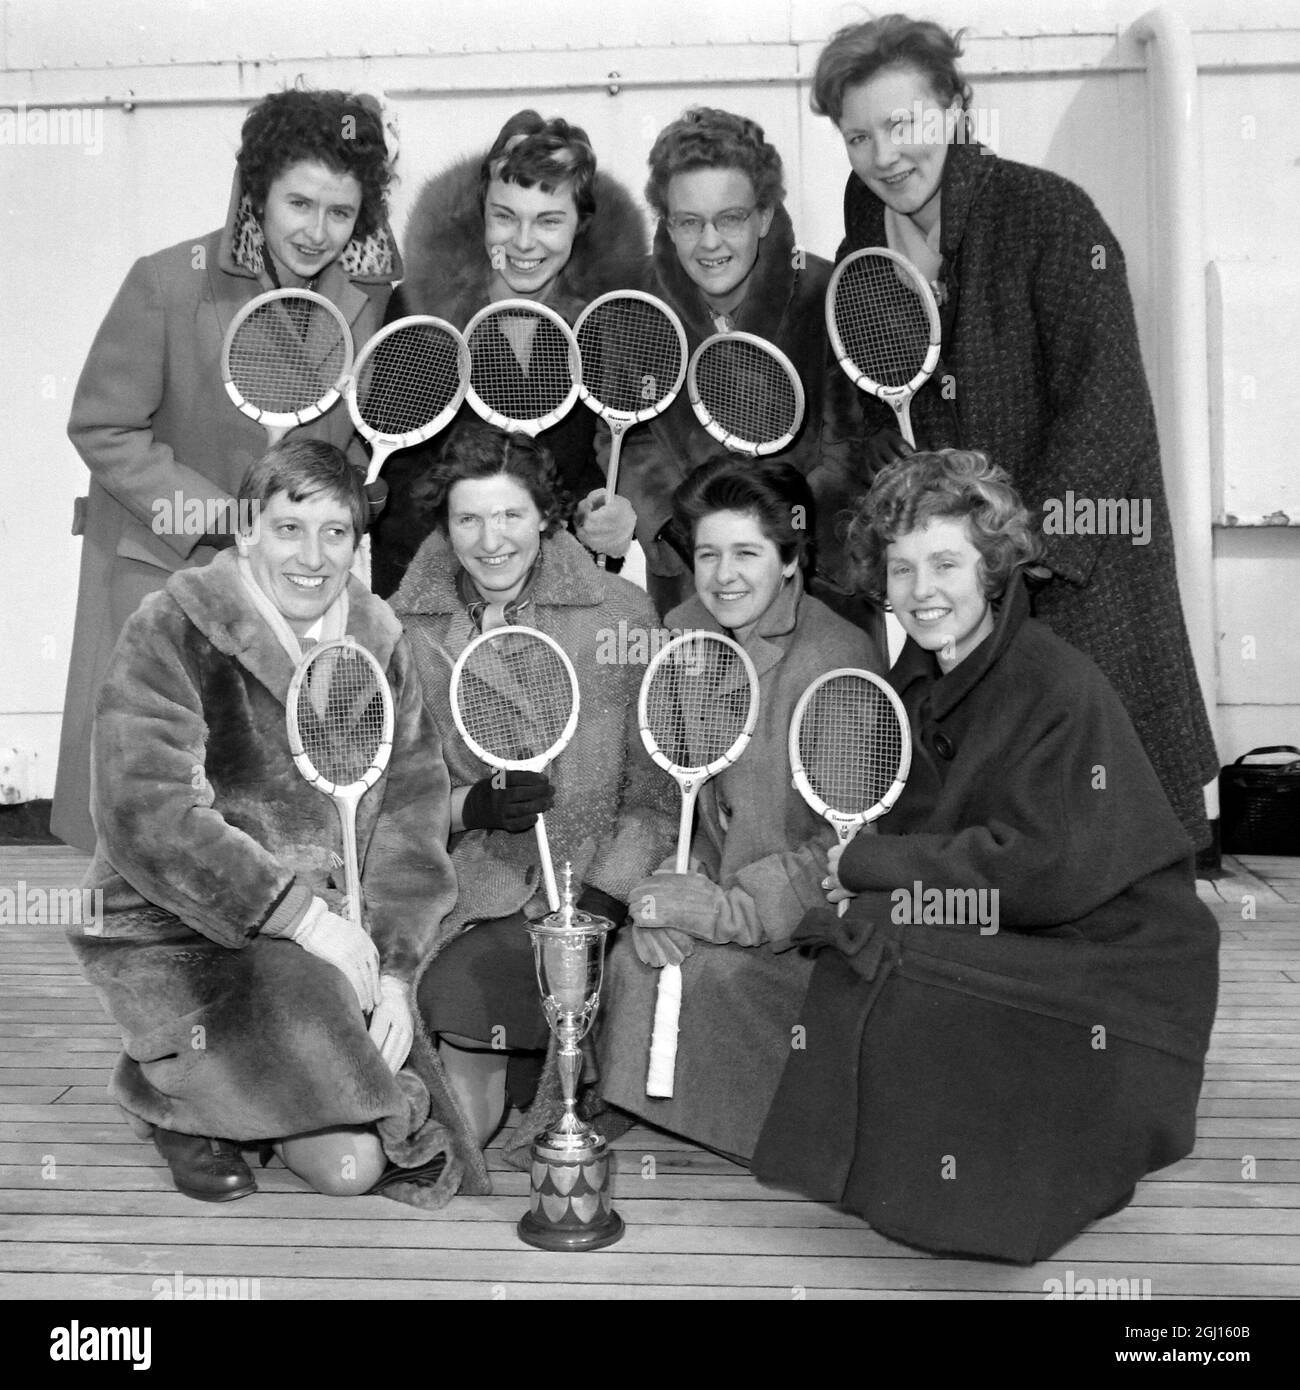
(1259, 806)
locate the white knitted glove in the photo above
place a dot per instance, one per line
(392, 1027)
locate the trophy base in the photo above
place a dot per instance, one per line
(570, 1207)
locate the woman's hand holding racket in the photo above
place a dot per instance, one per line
(344, 945)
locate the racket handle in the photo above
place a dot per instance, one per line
(548, 869)
(361, 565)
(616, 430)
(663, 1038)
(903, 409)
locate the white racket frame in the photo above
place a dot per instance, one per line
(848, 823)
(735, 442)
(347, 797)
(668, 998)
(899, 398)
(278, 423)
(537, 763)
(502, 308)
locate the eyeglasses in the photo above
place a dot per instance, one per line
(685, 226)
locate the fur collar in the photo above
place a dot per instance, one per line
(372, 260)
(448, 272)
(566, 578)
(213, 599)
(774, 280)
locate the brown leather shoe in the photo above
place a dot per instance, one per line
(209, 1170)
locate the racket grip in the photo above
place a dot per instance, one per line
(663, 1037)
(548, 869)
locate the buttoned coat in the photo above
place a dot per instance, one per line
(153, 423)
(1042, 370)
(207, 835)
(989, 1070)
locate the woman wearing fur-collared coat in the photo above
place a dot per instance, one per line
(1041, 365)
(151, 419)
(753, 278)
(532, 218)
(224, 953)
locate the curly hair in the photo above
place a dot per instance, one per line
(858, 51)
(955, 483)
(340, 130)
(706, 138)
(771, 490)
(302, 468)
(475, 449)
(550, 154)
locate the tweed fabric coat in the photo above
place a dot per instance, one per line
(991, 1092)
(152, 421)
(450, 277)
(784, 305)
(1040, 346)
(208, 835)
(756, 836)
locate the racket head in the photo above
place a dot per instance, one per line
(503, 336)
(514, 697)
(883, 322)
(339, 713)
(408, 381)
(746, 393)
(634, 354)
(850, 746)
(698, 704)
(286, 357)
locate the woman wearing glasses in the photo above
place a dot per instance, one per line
(725, 258)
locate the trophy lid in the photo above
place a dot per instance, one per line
(569, 919)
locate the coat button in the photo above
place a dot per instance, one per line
(944, 747)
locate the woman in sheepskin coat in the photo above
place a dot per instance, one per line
(239, 990)
(533, 219)
(705, 164)
(150, 417)
(1008, 1028)
(610, 811)
(1041, 367)
(759, 851)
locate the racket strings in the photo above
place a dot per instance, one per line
(515, 697)
(850, 744)
(340, 716)
(882, 321)
(746, 391)
(408, 379)
(698, 703)
(520, 366)
(631, 355)
(287, 355)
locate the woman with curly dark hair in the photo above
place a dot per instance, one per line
(165, 447)
(725, 258)
(532, 218)
(1041, 364)
(1007, 1029)
(500, 555)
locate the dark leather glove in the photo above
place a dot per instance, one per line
(507, 801)
(601, 904)
(884, 447)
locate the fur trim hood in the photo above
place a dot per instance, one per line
(448, 272)
(371, 260)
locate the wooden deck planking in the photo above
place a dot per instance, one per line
(86, 1210)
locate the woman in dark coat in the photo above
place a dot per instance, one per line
(758, 852)
(1041, 366)
(1008, 1028)
(151, 419)
(530, 219)
(241, 991)
(725, 259)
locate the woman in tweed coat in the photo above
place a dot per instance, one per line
(1041, 367)
(499, 556)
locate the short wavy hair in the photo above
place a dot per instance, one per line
(772, 490)
(341, 130)
(475, 449)
(954, 483)
(547, 154)
(859, 51)
(706, 138)
(302, 468)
